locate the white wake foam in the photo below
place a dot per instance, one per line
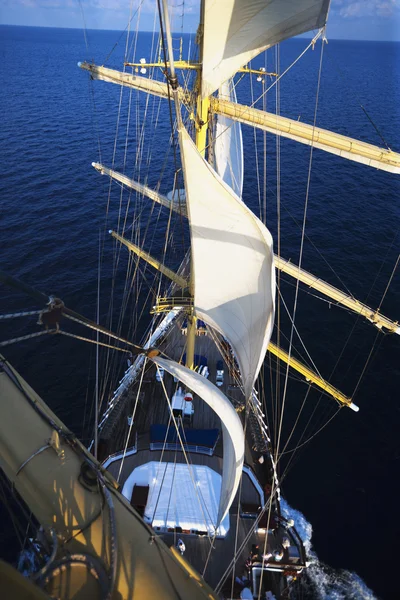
(321, 581)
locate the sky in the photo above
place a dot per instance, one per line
(348, 19)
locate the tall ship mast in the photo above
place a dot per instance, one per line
(178, 494)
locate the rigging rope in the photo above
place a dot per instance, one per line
(26, 313)
(83, 339)
(301, 248)
(202, 505)
(27, 337)
(132, 420)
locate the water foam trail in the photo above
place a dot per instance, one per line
(321, 581)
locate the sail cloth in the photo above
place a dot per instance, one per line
(232, 430)
(235, 31)
(232, 263)
(228, 147)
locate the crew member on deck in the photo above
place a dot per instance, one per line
(181, 546)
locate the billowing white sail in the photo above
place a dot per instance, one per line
(232, 430)
(233, 263)
(228, 147)
(237, 30)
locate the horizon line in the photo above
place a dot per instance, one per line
(304, 35)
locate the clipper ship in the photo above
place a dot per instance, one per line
(178, 495)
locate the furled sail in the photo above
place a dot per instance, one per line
(235, 31)
(228, 147)
(233, 264)
(233, 436)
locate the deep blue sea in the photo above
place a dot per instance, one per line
(53, 203)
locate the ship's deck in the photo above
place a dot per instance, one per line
(152, 408)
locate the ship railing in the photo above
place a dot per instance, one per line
(119, 455)
(132, 372)
(187, 447)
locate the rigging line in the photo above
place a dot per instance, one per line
(298, 334)
(128, 29)
(197, 490)
(26, 337)
(132, 420)
(161, 459)
(112, 365)
(331, 303)
(16, 523)
(296, 421)
(235, 554)
(328, 410)
(160, 462)
(375, 127)
(171, 118)
(85, 408)
(389, 282)
(26, 313)
(122, 33)
(92, 325)
(110, 307)
(4, 483)
(367, 362)
(266, 533)
(83, 339)
(125, 297)
(311, 44)
(252, 529)
(189, 455)
(357, 320)
(278, 215)
(301, 445)
(382, 264)
(166, 242)
(93, 115)
(172, 483)
(336, 66)
(84, 25)
(116, 249)
(193, 464)
(96, 416)
(277, 79)
(301, 244)
(342, 283)
(257, 166)
(264, 219)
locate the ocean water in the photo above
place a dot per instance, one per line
(344, 483)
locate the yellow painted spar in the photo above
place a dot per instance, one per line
(191, 66)
(311, 376)
(181, 281)
(341, 145)
(340, 297)
(177, 206)
(286, 266)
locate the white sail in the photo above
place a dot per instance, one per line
(228, 147)
(235, 31)
(233, 263)
(232, 430)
